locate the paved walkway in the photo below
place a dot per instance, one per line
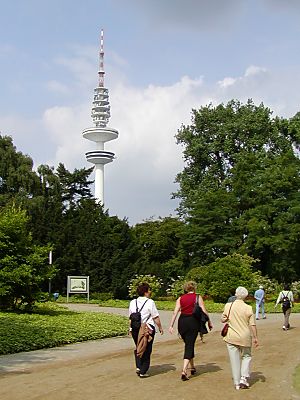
(104, 369)
(22, 361)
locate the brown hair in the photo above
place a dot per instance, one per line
(143, 288)
(190, 286)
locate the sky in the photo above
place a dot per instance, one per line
(163, 58)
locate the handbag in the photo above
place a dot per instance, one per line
(200, 316)
(197, 310)
(224, 330)
(226, 326)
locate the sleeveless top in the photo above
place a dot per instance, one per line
(187, 302)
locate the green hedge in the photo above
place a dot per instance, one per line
(55, 327)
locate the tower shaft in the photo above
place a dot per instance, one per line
(100, 133)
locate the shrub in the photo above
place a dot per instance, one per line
(101, 296)
(220, 278)
(175, 289)
(295, 288)
(271, 286)
(154, 283)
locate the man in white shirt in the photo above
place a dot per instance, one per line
(259, 296)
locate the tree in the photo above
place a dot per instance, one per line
(90, 242)
(62, 214)
(239, 190)
(23, 265)
(159, 247)
(17, 179)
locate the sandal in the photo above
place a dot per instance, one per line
(184, 376)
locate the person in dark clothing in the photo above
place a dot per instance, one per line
(286, 299)
(188, 326)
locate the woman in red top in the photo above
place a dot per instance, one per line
(188, 326)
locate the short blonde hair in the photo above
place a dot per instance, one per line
(190, 286)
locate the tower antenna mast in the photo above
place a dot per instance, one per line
(101, 71)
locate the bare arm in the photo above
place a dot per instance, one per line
(174, 316)
(158, 323)
(254, 335)
(278, 299)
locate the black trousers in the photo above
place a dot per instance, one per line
(143, 363)
(188, 328)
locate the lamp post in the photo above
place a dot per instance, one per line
(50, 263)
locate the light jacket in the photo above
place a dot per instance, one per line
(143, 339)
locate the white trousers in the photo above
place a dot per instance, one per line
(240, 359)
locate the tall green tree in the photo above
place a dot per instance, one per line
(17, 178)
(95, 244)
(23, 265)
(239, 188)
(159, 244)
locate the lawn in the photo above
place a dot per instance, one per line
(51, 325)
(211, 306)
(296, 379)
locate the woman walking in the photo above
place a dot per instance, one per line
(149, 316)
(286, 299)
(188, 326)
(240, 319)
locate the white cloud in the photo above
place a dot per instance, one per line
(226, 82)
(254, 70)
(64, 126)
(138, 184)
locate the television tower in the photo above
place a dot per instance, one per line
(100, 133)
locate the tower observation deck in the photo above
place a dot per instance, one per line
(100, 133)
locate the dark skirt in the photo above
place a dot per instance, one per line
(188, 328)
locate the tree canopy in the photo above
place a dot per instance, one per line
(239, 190)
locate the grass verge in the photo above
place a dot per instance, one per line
(296, 379)
(211, 306)
(51, 325)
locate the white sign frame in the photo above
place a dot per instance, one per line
(78, 284)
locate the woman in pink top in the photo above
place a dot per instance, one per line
(188, 326)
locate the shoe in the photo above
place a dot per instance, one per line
(137, 371)
(184, 376)
(193, 371)
(264, 317)
(237, 387)
(144, 375)
(284, 328)
(244, 384)
(257, 318)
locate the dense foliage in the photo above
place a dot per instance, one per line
(23, 265)
(51, 326)
(239, 191)
(154, 283)
(220, 278)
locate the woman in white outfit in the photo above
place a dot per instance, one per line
(239, 339)
(150, 316)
